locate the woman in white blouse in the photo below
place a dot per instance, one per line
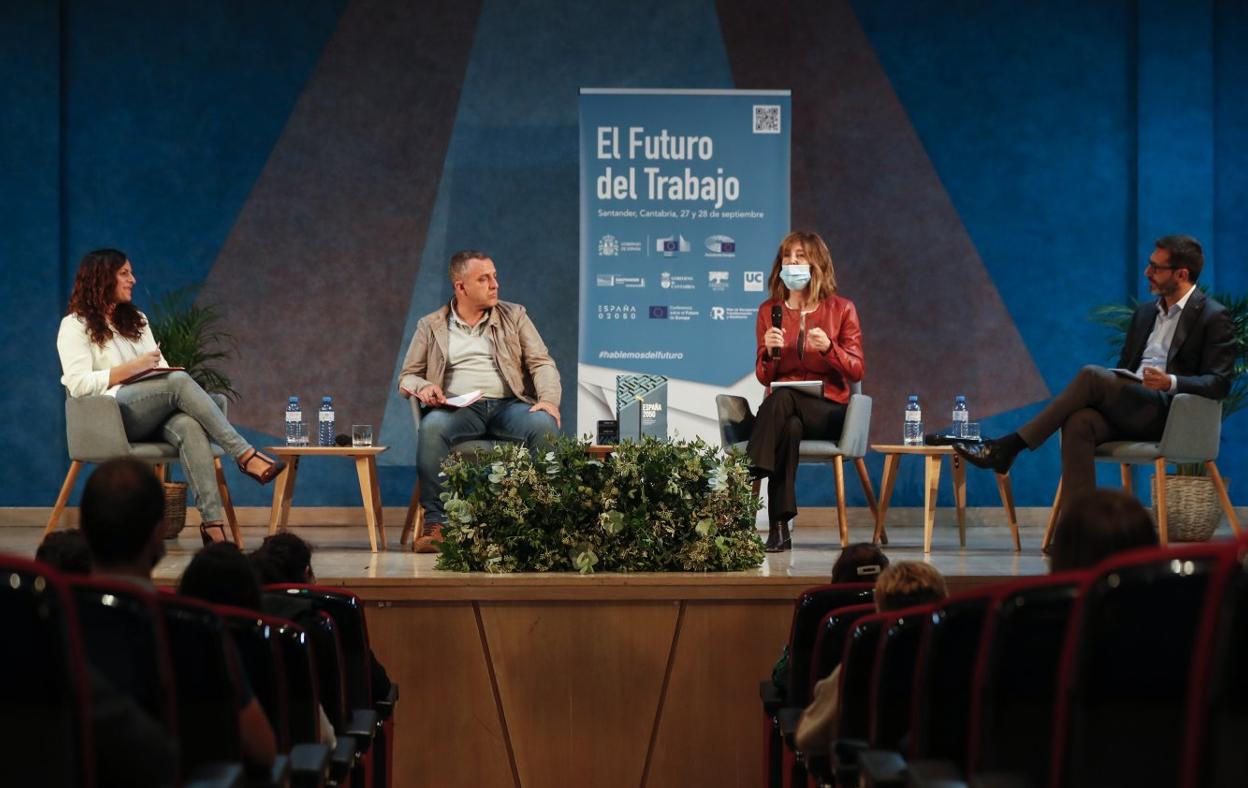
(104, 341)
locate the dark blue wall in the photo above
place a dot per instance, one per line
(1066, 134)
(30, 250)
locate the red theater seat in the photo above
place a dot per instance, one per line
(1126, 667)
(46, 723)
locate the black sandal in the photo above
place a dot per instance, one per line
(204, 528)
(267, 475)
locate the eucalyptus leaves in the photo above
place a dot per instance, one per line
(652, 506)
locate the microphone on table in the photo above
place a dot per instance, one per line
(777, 318)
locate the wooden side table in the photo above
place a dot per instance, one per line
(932, 457)
(600, 451)
(365, 468)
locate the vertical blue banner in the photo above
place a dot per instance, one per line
(684, 200)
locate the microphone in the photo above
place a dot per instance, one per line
(777, 318)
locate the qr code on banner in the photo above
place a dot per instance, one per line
(766, 119)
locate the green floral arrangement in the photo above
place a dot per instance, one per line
(650, 506)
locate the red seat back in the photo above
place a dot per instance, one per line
(347, 610)
(1126, 665)
(809, 609)
(892, 680)
(834, 629)
(256, 636)
(44, 691)
(206, 681)
(940, 714)
(1217, 712)
(124, 638)
(857, 668)
(1013, 703)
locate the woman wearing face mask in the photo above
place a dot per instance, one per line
(819, 338)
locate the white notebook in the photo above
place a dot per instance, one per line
(812, 387)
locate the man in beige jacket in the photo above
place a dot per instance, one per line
(476, 344)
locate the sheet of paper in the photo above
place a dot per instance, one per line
(463, 400)
(813, 388)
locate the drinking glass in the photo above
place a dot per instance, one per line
(971, 431)
(361, 435)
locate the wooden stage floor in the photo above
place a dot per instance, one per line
(342, 556)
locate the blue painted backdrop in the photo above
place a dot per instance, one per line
(1066, 135)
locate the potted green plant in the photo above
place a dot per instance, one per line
(191, 336)
(1192, 508)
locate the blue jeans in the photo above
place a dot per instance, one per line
(486, 419)
(175, 409)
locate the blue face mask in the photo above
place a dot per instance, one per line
(795, 277)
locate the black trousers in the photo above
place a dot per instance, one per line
(784, 420)
(1095, 407)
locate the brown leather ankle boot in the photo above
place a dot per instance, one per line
(426, 542)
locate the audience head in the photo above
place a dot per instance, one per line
(66, 551)
(908, 583)
(283, 558)
(123, 517)
(1098, 525)
(859, 563)
(222, 575)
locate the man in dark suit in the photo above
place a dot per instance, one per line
(1182, 343)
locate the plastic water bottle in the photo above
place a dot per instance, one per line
(325, 431)
(294, 418)
(913, 434)
(960, 416)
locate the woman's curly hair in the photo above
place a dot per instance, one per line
(94, 298)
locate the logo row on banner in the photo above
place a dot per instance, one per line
(675, 312)
(671, 246)
(716, 281)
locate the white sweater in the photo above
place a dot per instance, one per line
(85, 365)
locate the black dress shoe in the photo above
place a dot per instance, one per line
(773, 538)
(990, 455)
(778, 540)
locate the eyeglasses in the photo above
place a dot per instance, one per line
(1151, 266)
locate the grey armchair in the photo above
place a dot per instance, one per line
(1191, 436)
(736, 422)
(95, 433)
(414, 522)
